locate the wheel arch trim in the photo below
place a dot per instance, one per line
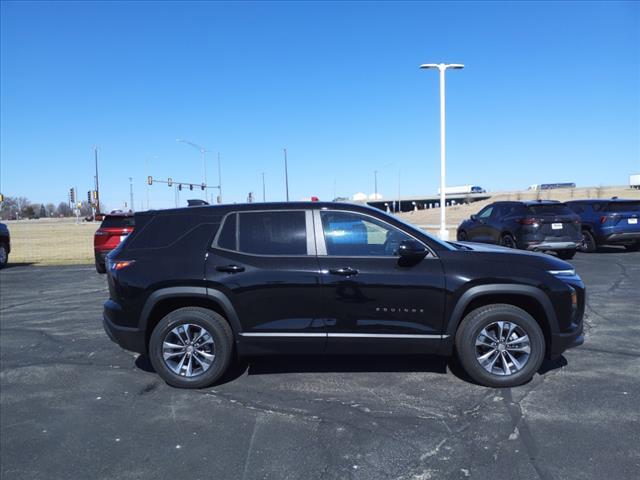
(187, 291)
(480, 291)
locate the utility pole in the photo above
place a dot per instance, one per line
(286, 174)
(264, 196)
(375, 184)
(219, 180)
(133, 208)
(442, 67)
(95, 153)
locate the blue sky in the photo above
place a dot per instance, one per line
(550, 93)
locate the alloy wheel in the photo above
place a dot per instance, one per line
(188, 350)
(503, 348)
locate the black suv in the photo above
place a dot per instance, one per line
(5, 245)
(193, 287)
(543, 225)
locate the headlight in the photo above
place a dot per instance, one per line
(563, 273)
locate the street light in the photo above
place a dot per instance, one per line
(442, 67)
(202, 151)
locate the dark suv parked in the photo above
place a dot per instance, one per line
(5, 245)
(613, 222)
(193, 287)
(542, 225)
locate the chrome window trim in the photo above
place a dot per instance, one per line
(322, 246)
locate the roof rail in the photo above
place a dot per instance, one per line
(196, 202)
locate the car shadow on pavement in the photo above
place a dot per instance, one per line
(19, 264)
(269, 365)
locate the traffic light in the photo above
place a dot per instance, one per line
(170, 181)
(191, 186)
(202, 186)
(95, 195)
(89, 197)
(79, 205)
(180, 187)
(150, 180)
(72, 195)
(1, 197)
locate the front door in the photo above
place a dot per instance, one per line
(375, 302)
(265, 262)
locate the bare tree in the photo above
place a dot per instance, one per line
(64, 210)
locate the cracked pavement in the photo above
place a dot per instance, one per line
(74, 405)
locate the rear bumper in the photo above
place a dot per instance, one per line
(550, 245)
(127, 337)
(621, 237)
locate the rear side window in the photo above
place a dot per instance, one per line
(576, 207)
(272, 233)
(228, 238)
(620, 207)
(118, 221)
(549, 209)
(164, 230)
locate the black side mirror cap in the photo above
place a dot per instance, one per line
(473, 217)
(412, 249)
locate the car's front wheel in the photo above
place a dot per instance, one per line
(588, 242)
(500, 345)
(191, 347)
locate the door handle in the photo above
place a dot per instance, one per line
(230, 268)
(345, 271)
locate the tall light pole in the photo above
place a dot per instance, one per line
(95, 153)
(375, 184)
(442, 67)
(264, 195)
(286, 174)
(219, 181)
(131, 206)
(202, 151)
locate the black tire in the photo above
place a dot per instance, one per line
(483, 317)
(4, 255)
(462, 236)
(100, 267)
(566, 254)
(508, 241)
(214, 324)
(589, 244)
(633, 247)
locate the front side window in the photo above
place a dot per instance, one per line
(486, 213)
(354, 235)
(272, 233)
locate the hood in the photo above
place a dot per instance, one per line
(504, 254)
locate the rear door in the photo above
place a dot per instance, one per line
(265, 262)
(374, 301)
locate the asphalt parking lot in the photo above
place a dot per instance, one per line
(74, 405)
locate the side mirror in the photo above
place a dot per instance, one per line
(412, 249)
(473, 217)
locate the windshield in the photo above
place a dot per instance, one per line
(618, 207)
(549, 209)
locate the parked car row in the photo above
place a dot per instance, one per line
(549, 225)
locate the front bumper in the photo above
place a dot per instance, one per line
(564, 341)
(546, 245)
(128, 338)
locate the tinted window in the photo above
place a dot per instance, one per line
(227, 238)
(273, 233)
(619, 207)
(350, 234)
(576, 207)
(118, 221)
(549, 209)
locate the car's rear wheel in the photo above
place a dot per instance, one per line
(191, 347)
(4, 255)
(566, 254)
(508, 241)
(589, 244)
(462, 236)
(500, 345)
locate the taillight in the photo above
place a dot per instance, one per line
(528, 221)
(119, 265)
(603, 219)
